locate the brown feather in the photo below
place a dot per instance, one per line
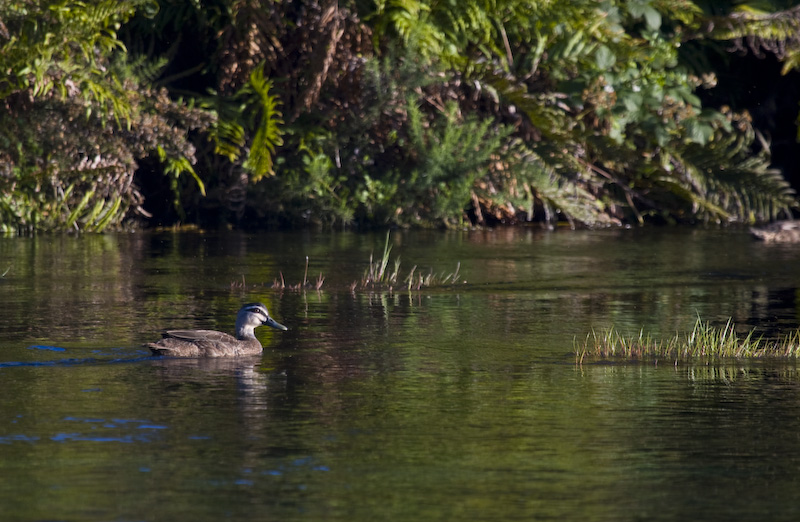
(210, 343)
(203, 343)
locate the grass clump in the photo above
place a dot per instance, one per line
(702, 343)
(306, 284)
(379, 275)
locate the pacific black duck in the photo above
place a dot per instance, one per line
(210, 343)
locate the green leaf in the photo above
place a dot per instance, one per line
(632, 101)
(698, 132)
(604, 58)
(652, 18)
(73, 216)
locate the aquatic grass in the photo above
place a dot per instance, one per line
(704, 342)
(304, 285)
(377, 275)
(281, 284)
(239, 285)
(381, 274)
(417, 280)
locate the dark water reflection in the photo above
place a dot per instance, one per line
(459, 403)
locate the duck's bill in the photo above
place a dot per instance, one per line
(274, 324)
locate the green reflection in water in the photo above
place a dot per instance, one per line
(446, 404)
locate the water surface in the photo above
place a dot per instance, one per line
(454, 403)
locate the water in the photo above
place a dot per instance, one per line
(457, 403)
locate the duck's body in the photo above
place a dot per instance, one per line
(210, 343)
(778, 232)
(204, 343)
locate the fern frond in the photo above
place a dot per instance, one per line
(776, 33)
(728, 181)
(176, 166)
(268, 134)
(229, 137)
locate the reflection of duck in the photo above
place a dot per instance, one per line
(778, 232)
(209, 343)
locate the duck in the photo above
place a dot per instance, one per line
(787, 231)
(210, 343)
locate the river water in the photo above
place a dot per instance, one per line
(460, 402)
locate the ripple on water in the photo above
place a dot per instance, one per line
(100, 430)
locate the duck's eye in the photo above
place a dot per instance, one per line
(257, 311)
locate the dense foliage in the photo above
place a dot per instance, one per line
(407, 112)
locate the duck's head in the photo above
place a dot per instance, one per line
(253, 315)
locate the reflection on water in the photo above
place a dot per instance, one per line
(458, 403)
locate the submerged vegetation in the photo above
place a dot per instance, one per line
(704, 342)
(411, 113)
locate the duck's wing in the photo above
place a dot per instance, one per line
(203, 343)
(200, 336)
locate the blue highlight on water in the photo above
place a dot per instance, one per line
(296, 465)
(10, 439)
(101, 430)
(46, 347)
(128, 431)
(83, 419)
(80, 437)
(113, 354)
(250, 476)
(138, 430)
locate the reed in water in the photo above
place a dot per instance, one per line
(703, 342)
